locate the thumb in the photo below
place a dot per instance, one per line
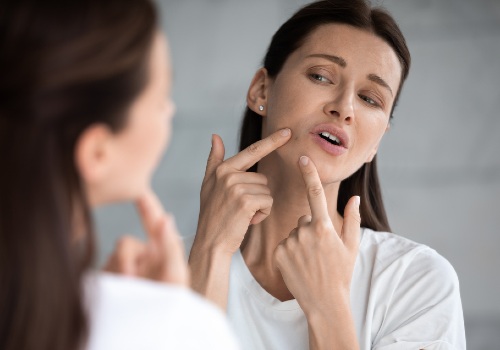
(172, 249)
(216, 155)
(352, 223)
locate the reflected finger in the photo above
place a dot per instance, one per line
(258, 150)
(315, 192)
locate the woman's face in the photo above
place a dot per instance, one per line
(335, 93)
(134, 152)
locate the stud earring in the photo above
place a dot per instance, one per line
(261, 108)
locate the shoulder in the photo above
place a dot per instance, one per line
(387, 249)
(388, 245)
(397, 264)
(117, 289)
(415, 292)
(132, 313)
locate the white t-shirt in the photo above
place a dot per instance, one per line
(404, 295)
(134, 314)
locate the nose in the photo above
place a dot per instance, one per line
(341, 106)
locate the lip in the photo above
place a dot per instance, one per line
(327, 146)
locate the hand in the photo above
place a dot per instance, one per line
(315, 261)
(231, 198)
(161, 258)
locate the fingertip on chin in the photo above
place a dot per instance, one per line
(304, 160)
(357, 201)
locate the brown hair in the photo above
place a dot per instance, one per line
(289, 37)
(64, 65)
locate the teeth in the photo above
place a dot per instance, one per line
(331, 137)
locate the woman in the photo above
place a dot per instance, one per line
(320, 269)
(85, 115)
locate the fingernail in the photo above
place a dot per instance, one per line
(285, 132)
(357, 200)
(304, 160)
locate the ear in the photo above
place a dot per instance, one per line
(257, 92)
(374, 151)
(93, 154)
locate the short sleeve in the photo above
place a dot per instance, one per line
(425, 310)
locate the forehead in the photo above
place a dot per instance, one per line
(363, 51)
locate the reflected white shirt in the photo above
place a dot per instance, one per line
(404, 295)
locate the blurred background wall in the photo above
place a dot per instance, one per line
(439, 164)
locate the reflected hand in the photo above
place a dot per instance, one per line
(231, 198)
(315, 261)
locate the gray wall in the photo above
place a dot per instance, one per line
(439, 164)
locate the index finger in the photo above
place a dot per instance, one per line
(315, 192)
(258, 150)
(150, 210)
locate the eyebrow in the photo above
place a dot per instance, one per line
(376, 79)
(335, 59)
(342, 63)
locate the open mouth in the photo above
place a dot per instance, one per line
(334, 140)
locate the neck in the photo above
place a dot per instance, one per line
(289, 204)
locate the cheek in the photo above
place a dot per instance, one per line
(370, 134)
(158, 136)
(151, 138)
(287, 98)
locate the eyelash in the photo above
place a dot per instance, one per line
(317, 78)
(369, 100)
(321, 79)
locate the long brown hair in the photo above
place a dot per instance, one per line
(289, 37)
(64, 65)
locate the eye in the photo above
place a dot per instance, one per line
(320, 78)
(369, 100)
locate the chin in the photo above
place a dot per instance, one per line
(328, 178)
(328, 170)
(132, 193)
